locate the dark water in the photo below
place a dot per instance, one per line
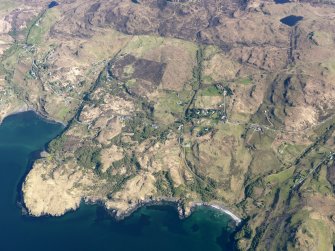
(90, 227)
(291, 20)
(282, 1)
(52, 4)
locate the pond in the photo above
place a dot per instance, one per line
(291, 20)
(53, 4)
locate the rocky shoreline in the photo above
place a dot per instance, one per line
(183, 211)
(177, 204)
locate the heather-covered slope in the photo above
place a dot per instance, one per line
(193, 101)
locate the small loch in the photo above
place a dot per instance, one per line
(53, 4)
(291, 20)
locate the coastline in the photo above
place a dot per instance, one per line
(183, 210)
(92, 220)
(15, 111)
(222, 209)
(177, 204)
(29, 109)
